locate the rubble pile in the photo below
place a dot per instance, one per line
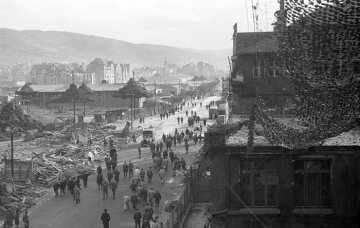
(49, 168)
(18, 196)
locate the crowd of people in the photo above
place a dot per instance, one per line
(142, 198)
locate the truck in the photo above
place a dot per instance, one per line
(148, 136)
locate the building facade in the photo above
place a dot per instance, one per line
(274, 186)
(257, 75)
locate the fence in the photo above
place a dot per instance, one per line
(183, 205)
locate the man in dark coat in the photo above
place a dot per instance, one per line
(125, 169)
(165, 154)
(99, 180)
(157, 197)
(105, 218)
(131, 169)
(117, 175)
(62, 186)
(85, 179)
(134, 201)
(99, 169)
(137, 218)
(56, 187)
(149, 174)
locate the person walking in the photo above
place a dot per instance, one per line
(134, 201)
(62, 186)
(99, 180)
(183, 164)
(56, 187)
(149, 174)
(181, 120)
(99, 170)
(165, 154)
(85, 179)
(113, 187)
(108, 162)
(117, 175)
(186, 147)
(162, 175)
(25, 219)
(133, 186)
(109, 176)
(71, 186)
(77, 194)
(126, 199)
(137, 218)
(151, 193)
(178, 120)
(148, 212)
(105, 218)
(157, 198)
(104, 186)
(131, 169)
(139, 150)
(125, 169)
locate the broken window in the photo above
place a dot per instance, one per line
(312, 183)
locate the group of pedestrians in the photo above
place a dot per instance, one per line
(12, 218)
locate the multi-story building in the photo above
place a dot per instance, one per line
(256, 74)
(109, 72)
(277, 186)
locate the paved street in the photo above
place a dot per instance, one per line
(60, 212)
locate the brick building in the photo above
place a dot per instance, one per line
(256, 72)
(274, 186)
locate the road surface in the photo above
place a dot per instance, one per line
(61, 212)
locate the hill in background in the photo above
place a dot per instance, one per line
(35, 46)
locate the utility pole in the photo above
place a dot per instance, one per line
(12, 153)
(155, 97)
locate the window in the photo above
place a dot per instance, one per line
(312, 183)
(257, 72)
(258, 182)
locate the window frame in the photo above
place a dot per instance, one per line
(305, 175)
(253, 172)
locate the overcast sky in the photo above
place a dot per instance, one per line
(198, 24)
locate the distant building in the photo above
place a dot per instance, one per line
(256, 72)
(58, 73)
(109, 71)
(45, 96)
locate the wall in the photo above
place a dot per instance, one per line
(345, 188)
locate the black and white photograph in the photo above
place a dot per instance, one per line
(179, 114)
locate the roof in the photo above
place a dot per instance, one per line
(268, 44)
(62, 87)
(247, 39)
(240, 137)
